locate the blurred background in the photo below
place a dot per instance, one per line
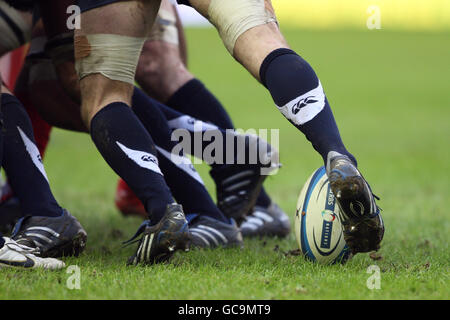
(332, 14)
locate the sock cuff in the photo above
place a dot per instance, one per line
(110, 107)
(268, 60)
(185, 92)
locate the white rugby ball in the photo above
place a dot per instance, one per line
(317, 222)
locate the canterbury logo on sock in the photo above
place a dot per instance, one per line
(190, 124)
(182, 163)
(305, 107)
(33, 151)
(143, 159)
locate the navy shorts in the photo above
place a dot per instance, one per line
(185, 2)
(86, 5)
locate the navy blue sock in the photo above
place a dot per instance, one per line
(130, 151)
(2, 241)
(22, 162)
(178, 120)
(207, 150)
(298, 93)
(195, 100)
(182, 178)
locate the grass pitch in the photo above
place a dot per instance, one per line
(390, 95)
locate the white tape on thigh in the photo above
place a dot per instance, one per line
(305, 107)
(165, 28)
(233, 17)
(114, 56)
(8, 39)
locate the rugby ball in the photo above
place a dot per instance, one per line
(318, 228)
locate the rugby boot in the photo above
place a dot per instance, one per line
(271, 221)
(238, 185)
(14, 255)
(52, 236)
(160, 241)
(207, 232)
(362, 224)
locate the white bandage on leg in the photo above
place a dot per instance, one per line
(165, 28)
(114, 56)
(305, 107)
(14, 30)
(233, 17)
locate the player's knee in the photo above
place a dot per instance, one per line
(161, 50)
(153, 61)
(160, 70)
(232, 18)
(158, 61)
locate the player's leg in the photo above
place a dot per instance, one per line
(106, 90)
(163, 74)
(21, 160)
(106, 87)
(161, 71)
(179, 175)
(240, 163)
(106, 51)
(208, 226)
(39, 90)
(251, 34)
(40, 87)
(15, 30)
(55, 231)
(11, 253)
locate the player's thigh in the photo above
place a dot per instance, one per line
(161, 70)
(107, 49)
(248, 28)
(59, 44)
(161, 48)
(44, 89)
